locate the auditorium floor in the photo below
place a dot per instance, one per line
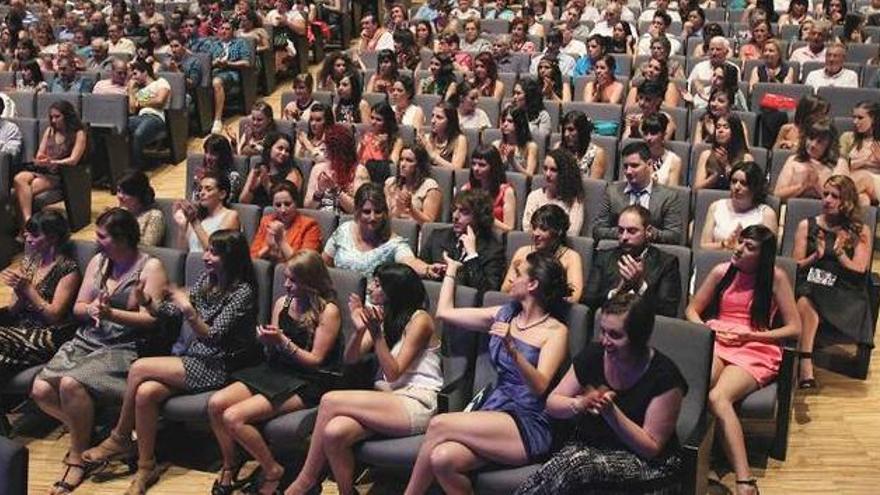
(834, 444)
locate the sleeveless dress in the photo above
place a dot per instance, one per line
(586, 161)
(727, 219)
(497, 203)
(210, 224)
(512, 395)
(101, 353)
(371, 149)
(759, 359)
(764, 76)
(280, 377)
(25, 338)
(842, 299)
(662, 166)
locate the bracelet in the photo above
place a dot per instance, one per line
(449, 276)
(291, 348)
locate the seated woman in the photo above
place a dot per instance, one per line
(310, 143)
(29, 77)
(470, 116)
(350, 107)
(386, 73)
(446, 144)
(220, 311)
(302, 342)
(400, 332)
(729, 148)
(442, 80)
(284, 232)
(381, 142)
(218, 159)
(487, 173)
(196, 221)
(667, 166)
(661, 49)
(303, 102)
(562, 187)
(774, 69)
(622, 40)
(63, 145)
(726, 218)
(276, 165)
(485, 76)
(333, 182)
(809, 108)
(739, 301)
(760, 33)
(624, 397)
(401, 98)
(519, 41)
(527, 345)
(334, 67)
(655, 70)
(649, 98)
(412, 193)
(833, 252)
(577, 133)
(38, 320)
(251, 133)
(366, 242)
(605, 88)
(114, 327)
(147, 97)
(553, 86)
(725, 80)
(527, 97)
(861, 148)
(135, 194)
(720, 106)
(549, 227)
(798, 11)
(519, 152)
(804, 174)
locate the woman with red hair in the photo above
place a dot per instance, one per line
(333, 182)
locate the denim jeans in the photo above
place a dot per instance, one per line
(145, 130)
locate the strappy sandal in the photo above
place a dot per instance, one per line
(114, 447)
(234, 484)
(257, 487)
(146, 476)
(807, 383)
(63, 486)
(750, 482)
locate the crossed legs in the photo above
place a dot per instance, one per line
(26, 185)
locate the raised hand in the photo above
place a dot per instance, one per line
(270, 335)
(13, 278)
(502, 330)
(356, 308)
(180, 298)
(469, 240)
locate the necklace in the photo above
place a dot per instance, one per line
(526, 327)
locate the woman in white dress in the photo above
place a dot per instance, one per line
(726, 218)
(666, 165)
(196, 221)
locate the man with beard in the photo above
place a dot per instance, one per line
(634, 265)
(469, 240)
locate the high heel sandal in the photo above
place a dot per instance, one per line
(146, 476)
(114, 447)
(257, 485)
(752, 482)
(63, 486)
(807, 383)
(234, 484)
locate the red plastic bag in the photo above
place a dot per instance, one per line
(773, 101)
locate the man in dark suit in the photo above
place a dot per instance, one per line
(639, 188)
(469, 240)
(634, 265)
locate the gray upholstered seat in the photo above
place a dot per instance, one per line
(107, 116)
(13, 468)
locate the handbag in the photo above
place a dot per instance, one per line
(774, 101)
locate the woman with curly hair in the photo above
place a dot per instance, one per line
(563, 187)
(519, 152)
(577, 131)
(412, 193)
(334, 181)
(335, 66)
(488, 173)
(818, 157)
(485, 76)
(381, 141)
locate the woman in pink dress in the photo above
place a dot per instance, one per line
(739, 301)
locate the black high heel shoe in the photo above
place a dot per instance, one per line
(807, 383)
(234, 484)
(750, 482)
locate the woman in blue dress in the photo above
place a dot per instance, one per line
(527, 346)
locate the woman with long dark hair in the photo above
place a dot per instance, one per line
(527, 97)
(442, 80)
(135, 194)
(446, 144)
(861, 147)
(720, 106)
(726, 217)
(809, 108)
(549, 228)
(219, 308)
(833, 251)
(381, 141)
(399, 330)
(577, 131)
(519, 152)
(817, 158)
(485, 76)
(562, 186)
(666, 165)
(488, 173)
(553, 86)
(277, 165)
(350, 108)
(197, 220)
(470, 116)
(334, 181)
(218, 158)
(527, 345)
(605, 88)
(740, 301)
(401, 99)
(412, 193)
(311, 143)
(729, 147)
(386, 73)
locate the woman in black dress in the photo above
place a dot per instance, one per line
(302, 341)
(833, 252)
(220, 311)
(39, 319)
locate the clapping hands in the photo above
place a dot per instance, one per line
(366, 318)
(596, 401)
(14, 279)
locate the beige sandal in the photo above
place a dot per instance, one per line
(146, 476)
(114, 447)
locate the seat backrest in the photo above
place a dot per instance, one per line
(520, 184)
(83, 252)
(170, 237)
(326, 220)
(106, 111)
(249, 215)
(704, 198)
(25, 103)
(427, 230)
(177, 81)
(444, 178)
(690, 347)
(45, 100)
(458, 345)
(594, 195)
(174, 261)
(842, 100)
(204, 59)
(796, 91)
(492, 107)
(796, 210)
(408, 229)
(30, 137)
(777, 162)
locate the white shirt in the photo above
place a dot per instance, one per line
(566, 63)
(575, 48)
(648, 15)
(644, 46)
(804, 54)
(604, 29)
(124, 45)
(703, 71)
(845, 78)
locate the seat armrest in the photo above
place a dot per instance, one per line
(454, 395)
(785, 393)
(696, 451)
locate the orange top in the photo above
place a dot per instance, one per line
(303, 233)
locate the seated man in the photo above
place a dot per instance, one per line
(639, 188)
(834, 74)
(661, 6)
(719, 50)
(182, 61)
(67, 80)
(119, 44)
(374, 37)
(230, 55)
(501, 53)
(634, 265)
(449, 43)
(147, 97)
(10, 135)
(100, 57)
(117, 84)
(469, 240)
(552, 50)
(659, 26)
(814, 51)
